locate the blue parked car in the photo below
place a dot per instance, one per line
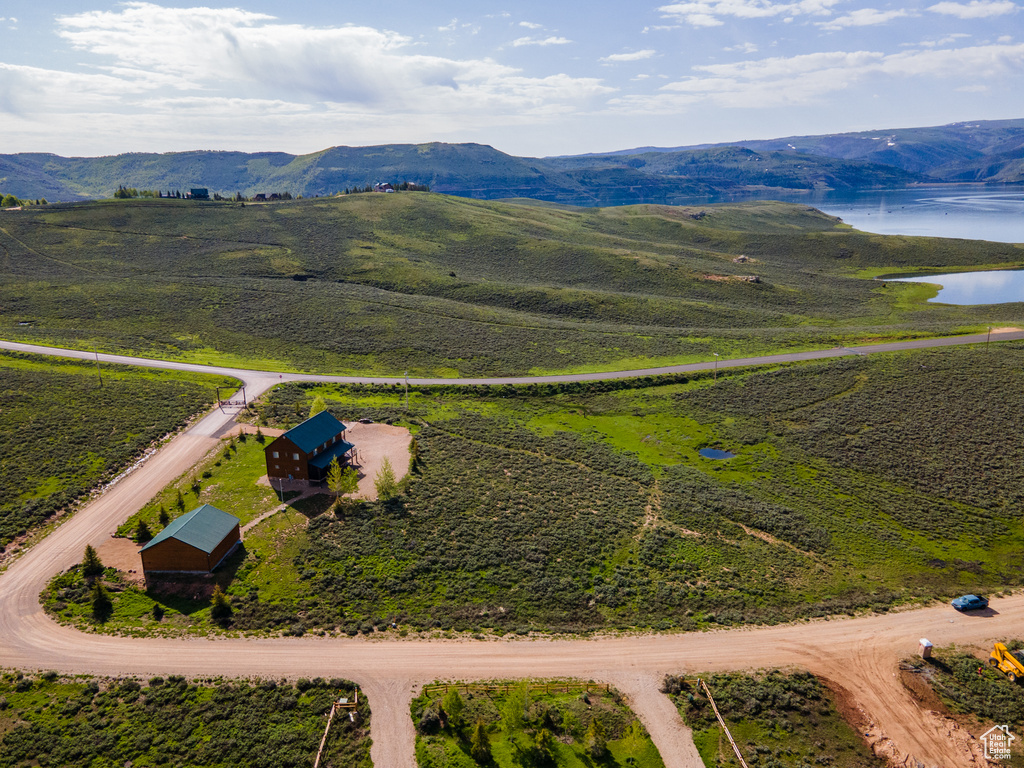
(970, 602)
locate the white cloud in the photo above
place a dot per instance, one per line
(451, 26)
(174, 77)
(634, 56)
(805, 79)
(973, 89)
(709, 13)
(530, 25)
(743, 48)
(976, 9)
(519, 42)
(865, 17)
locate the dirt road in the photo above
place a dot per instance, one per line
(859, 654)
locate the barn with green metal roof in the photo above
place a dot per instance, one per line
(196, 542)
(305, 452)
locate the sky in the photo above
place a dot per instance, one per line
(91, 77)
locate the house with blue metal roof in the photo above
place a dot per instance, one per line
(305, 452)
(196, 542)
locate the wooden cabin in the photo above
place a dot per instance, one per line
(196, 542)
(305, 452)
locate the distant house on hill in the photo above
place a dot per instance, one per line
(305, 452)
(194, 543)
(260, 198)
(385, 187)
(199, 193)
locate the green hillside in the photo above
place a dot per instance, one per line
(466, 170)
(443, 285)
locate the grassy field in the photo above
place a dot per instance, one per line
(568, 725)
(776, 719)
(439, 285)
(102, 723)
(62, 433)
(581, 507)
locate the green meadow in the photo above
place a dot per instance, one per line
(776, 719)
(856, 484)
(66, 426)
(446, 286)
(80, 722)
(568, 725)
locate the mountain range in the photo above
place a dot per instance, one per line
(980, 151)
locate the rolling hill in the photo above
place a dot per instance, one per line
(466, 170)
(439, 284)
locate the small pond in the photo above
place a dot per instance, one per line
(715, 453)
(1000, 286)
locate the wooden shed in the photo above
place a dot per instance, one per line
(194, 543)
(305, 452)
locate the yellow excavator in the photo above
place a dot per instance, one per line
(1010, 663)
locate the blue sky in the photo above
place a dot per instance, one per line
(91, 77)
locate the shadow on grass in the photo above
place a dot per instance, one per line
(187, 593)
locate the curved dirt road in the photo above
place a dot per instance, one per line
(860, 654)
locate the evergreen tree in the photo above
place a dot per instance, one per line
(220, 606)
(545, 746)
(91, 565)
(179, 502)
(453, 705)
(164, 518)
(595, 742)
(142, 533)
(480, 744)
(101, 605)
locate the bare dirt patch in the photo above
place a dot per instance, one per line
(122, 554)
(373, 443)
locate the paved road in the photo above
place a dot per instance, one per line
(860, 654)
(739, 362)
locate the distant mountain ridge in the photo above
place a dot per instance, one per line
(990, 151)
(980, 150)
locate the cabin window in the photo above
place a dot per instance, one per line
(277, 455)
(295, 456)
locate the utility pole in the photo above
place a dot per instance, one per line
(988, 338)
(99, 371)
(406, 390)
(716, 365)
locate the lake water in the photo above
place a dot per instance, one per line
(715, 453)
(993, 287)
(970, 211)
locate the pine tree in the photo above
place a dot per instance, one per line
(545, 745)
(220, 606)
(91, 565)
(480, 745)
(595, 742)
(164, 518)
(142, 532)
(179, 502)
(453, 705)
(101, 605)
